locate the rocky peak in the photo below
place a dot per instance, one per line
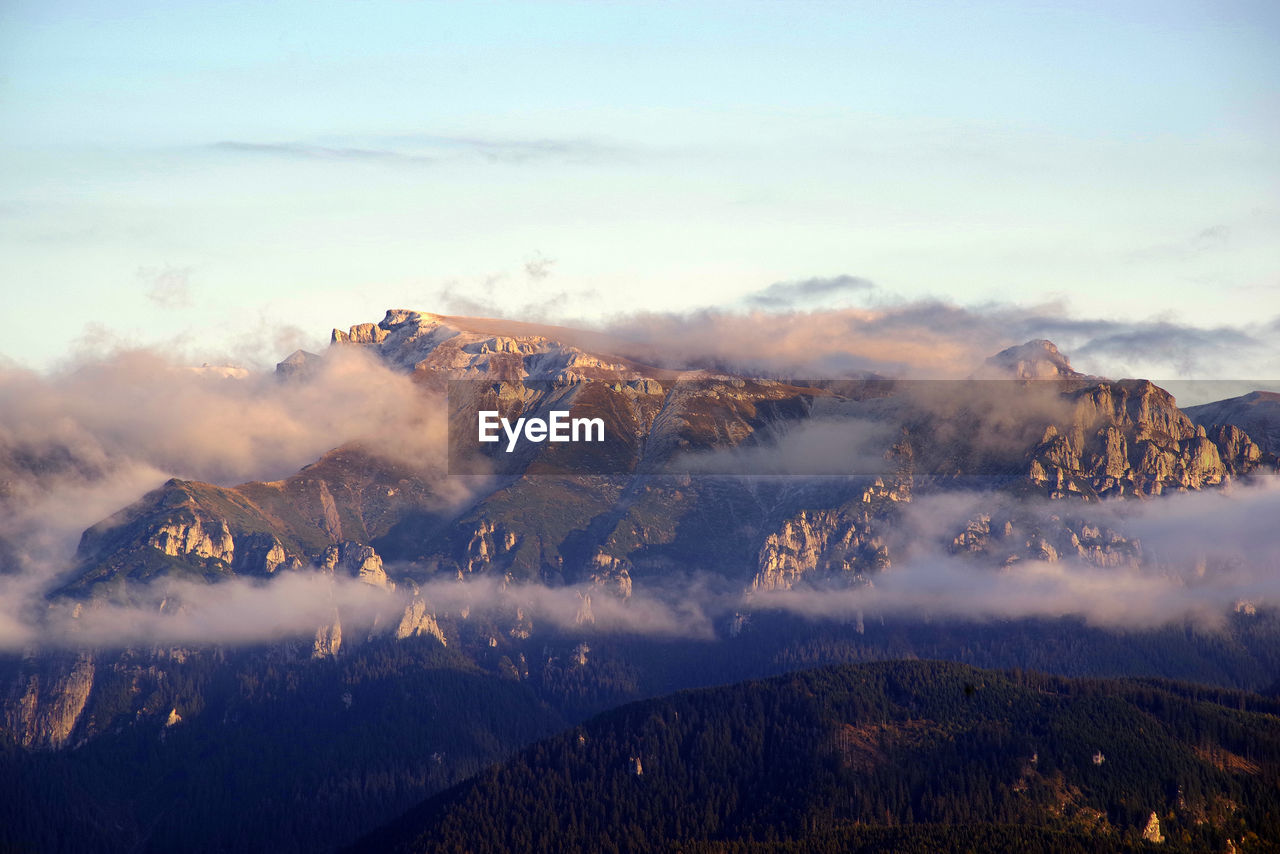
(481, 348)
(1129, 437)
(298, 364)
(1033, 360)
(356, 560)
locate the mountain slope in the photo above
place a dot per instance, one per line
(823, 755)
(1256, 413)
(560, 518)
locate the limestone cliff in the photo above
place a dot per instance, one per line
(418, 620)
(839, 543)
(1130, 438)
(1005, 537)
(358, 561)
(43, 707)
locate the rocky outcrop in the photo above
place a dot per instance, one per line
(189, 534)
(1005, 538)
(1129, 438)
(45, 704)
(584, 615)
(263, 554)
(1151, 833)
(843, 542)
(361, 333)
(465, 347)
(818, 543)
(357, 561)
(609, 573)
(487, 544)
(328, 638)
(417, 620)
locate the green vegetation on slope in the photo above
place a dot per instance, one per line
(934, 752)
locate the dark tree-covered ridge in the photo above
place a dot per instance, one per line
(899, 756)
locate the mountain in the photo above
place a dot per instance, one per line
(1033, 360)
(894, 756)
(653, 506)
(260, 749)
(612, 512)
(552, 583)
(1256, 413)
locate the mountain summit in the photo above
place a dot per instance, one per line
(468, 347)
(1034, 360)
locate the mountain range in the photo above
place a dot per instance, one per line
(770, 517)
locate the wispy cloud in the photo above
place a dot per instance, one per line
(167, 287)
(935, 339)
(419, 150)
(808, 291)
(539, 266)
(507, 150)
(305, 151)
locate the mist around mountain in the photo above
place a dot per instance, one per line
(285, 575)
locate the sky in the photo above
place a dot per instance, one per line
(232, 180)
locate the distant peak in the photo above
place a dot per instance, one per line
(1038, 359)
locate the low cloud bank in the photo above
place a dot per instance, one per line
(937, 340)
(78, 445)
(1204, 555)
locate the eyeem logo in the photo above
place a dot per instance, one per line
(558, 427)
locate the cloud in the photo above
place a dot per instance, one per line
(783, 295)
(538, 267)
(294, 604)
(677, 608)
(79, 444)
(1204, 553)
(935, 339)
(305, 151)
(234, 612)
(167, 287)
(423, 149)
(505, 150)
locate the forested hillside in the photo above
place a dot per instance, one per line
(887, 756)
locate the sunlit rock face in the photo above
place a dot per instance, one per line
(43, 707)
(358, 561)
(417, 620)
(1129, 437)
(466, 348)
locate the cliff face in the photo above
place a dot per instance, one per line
(1130, 438)
(464, 348)
(843, 543)
(357, 561)
(1006, 537)
(346, 500)
(45, 703)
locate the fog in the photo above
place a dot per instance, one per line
(1203, 554)
(82, 442)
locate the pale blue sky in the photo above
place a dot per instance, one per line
(203, 172)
